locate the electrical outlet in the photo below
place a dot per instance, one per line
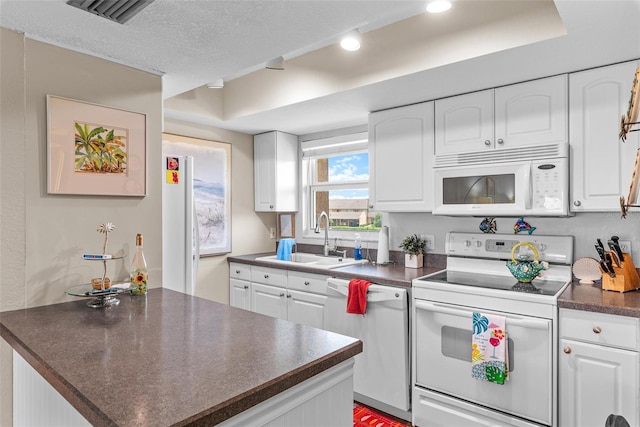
(272, 232)
(625, 246)
(430, 241)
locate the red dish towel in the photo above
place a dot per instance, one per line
(357, 297)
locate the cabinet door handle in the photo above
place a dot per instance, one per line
(306, 283)
(288, 295)
(487, 142)
(246, 286)
(567, 350)
(237, 271)
(577, 203)
(270, 206)
(500, 141)
(281, 294)
(370, 206)
(596, 329)
(266, 276)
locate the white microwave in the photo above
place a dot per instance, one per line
(534, 187)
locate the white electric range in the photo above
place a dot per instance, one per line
(477, 280)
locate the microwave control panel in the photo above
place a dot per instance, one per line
(549, 186)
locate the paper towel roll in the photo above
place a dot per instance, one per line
(383, 246)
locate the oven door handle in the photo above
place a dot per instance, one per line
(511, 320)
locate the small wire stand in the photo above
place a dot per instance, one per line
(102, 301)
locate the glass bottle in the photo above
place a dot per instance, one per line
(139, 270)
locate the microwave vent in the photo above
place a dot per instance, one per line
(507, 155)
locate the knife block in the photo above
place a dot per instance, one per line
(626, 278)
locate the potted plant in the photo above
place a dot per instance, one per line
(413, 247)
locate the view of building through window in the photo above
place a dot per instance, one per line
(341, 190)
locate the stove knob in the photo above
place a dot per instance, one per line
(478, 243)
(467, 243)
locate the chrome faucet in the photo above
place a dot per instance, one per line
(326, 231)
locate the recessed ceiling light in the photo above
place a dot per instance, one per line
(351, 41)
(438, 6)
(216, 84)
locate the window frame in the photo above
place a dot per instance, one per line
(323, 148)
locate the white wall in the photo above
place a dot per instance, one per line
(43, 236)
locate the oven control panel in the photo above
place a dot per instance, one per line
(557, 249)
(505, 246)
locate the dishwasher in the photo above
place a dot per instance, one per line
(381, 373)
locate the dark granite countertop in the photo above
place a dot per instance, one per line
(592, 298)
(169, 358)
(388, 274)
(576, 296)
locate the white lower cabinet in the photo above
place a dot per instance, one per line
(269, 300)
(306, 308)
(599, 368)
(298, 297)
(239, 286)
(239, 294)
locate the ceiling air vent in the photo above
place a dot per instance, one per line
(116, 10)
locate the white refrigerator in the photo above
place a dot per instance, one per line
(180, 241)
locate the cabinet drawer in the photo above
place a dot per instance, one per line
(598, 328)
(239, 271)
(316, 283)
(269, 276)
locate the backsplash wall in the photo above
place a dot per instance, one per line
(585, 227)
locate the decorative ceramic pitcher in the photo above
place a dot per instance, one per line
(523, 269)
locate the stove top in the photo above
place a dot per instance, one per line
(499, 282)
(477, 264)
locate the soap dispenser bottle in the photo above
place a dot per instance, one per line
(357, 247)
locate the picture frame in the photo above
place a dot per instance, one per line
(287, 225)
(94, 149)
(212, 188)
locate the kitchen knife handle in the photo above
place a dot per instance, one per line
(618, 249)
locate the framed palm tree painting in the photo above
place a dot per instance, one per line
(94, 149)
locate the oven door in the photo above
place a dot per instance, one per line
(443, 360)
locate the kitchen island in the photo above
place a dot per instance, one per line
(174, 359)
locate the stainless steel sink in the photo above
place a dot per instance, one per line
(313, 260)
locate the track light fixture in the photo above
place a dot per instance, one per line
(351, 41)
(276, 64)
(216, 84)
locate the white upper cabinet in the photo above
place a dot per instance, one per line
(400, 159)
(518, 115)
(464, 123)
(275, 157)
(601, 164)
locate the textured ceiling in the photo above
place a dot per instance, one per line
(193, 42)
